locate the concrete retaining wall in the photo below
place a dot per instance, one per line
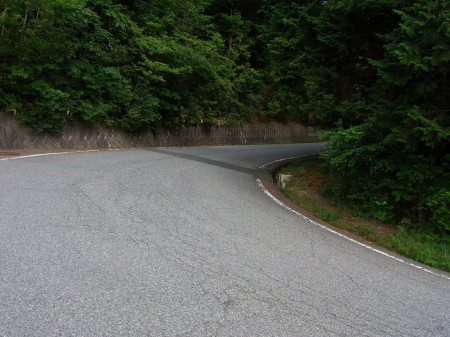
(14, 135)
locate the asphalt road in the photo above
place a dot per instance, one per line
(183, 242)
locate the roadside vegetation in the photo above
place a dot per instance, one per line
(309, 188)
(374, 74)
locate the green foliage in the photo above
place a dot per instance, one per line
(423, 247)
(141, 64)
(438, 203)
(395, 165)
(33, 49)
(421, 244)
(131, 64)
(318, 55)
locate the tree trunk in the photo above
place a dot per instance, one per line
(25, 19)
(3, 26)
(230, 34)
(345, 81)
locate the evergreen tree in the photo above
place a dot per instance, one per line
(396, 164)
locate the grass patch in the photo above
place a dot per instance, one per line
(423, 247)
(304, 189)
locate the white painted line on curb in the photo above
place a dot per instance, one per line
(260, 184)
(54, 153)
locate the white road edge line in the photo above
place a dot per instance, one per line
(260, 184)
(54, 154)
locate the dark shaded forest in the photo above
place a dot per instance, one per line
(373, 73)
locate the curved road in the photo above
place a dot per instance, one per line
(183, 242)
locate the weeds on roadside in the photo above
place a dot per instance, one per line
(426, 248)
(308, 189)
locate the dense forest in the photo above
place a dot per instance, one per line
(374, 73)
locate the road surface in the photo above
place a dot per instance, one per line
(183, 242)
